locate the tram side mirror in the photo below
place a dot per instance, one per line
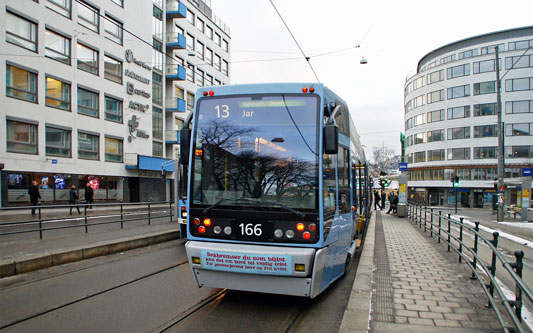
(331, 139)
(185, 144)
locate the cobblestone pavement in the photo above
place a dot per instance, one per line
(426, 289)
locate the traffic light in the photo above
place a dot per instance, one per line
(455, 181)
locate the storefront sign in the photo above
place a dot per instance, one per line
(131, 90)
(130, 58)
(137, 77)
(138, 106)
(133, 125)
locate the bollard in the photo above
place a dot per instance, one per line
(40, 223)
(425, 219)
(493, 264)
(431, 225)
(85, 218)
(440, 223)
(449, 230)
(518, 266)
(121, 215)
(460, 239)
(474, 262)
(170, 209)
(149, 214)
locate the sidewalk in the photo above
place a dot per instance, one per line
(407, 282)
(21, 256)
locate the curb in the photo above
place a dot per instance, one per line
(33, 262)
(356, 317)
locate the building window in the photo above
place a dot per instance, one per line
(119, 2)
(225, 45)
(88, 146)
(157, 123)
(459, 91)
(190, 101)
(218, 39)
(521, 84)
(200, 78)
(200, 49)
(190, 42)
(436, 155)
(113, 149)
(487, 109)
(420, 156)
(21, 84)
(482, 88)
(113, 29)
(459, 154)
(490, 49)
(434, 116)
(113, 109)
(21, 137)
(419, 138)
(459, 112)
(435, 135)
(88, 103)
(57, 47)
(113, 69)
(60, 6)
(157, 56)
(520, 45)
(157, 88)
(191, 17)
(435, 96)
(435, 77)
(209, 32)
(459, 133)
(208, 80)
(419, 120)
(458, 71)
(468, 54)
(217, 62)
(523, 129)
(519, 151)
(447, 59)
(57, 94)
(225, 68)
(484, 66)
(88, 16)
(87, 59)
(190, 72)
(200, 24)
(58, 142)
(209, 57)
(157, 149)
(21, 32)
(485, 131)
(519, 62)
(519, 106)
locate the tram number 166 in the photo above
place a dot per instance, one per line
(251, 229)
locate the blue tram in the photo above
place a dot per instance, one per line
(276, 188)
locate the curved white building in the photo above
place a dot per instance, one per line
(451, 120)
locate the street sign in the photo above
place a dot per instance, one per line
(402, 166)
(526, 172)
(54, 161)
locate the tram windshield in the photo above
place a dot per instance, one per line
(256, 149)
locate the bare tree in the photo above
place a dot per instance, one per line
(383, 159)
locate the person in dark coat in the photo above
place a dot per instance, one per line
(35, 196)
(376, 200)
(73, 199)
(89, 194)
(383, 199)
(391, 202)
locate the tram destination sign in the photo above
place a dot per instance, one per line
(247, 262)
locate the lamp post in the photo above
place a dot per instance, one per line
(501, 150)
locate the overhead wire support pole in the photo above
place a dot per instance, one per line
(294, 38)
(501, 150)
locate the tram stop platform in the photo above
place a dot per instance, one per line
(408, 282)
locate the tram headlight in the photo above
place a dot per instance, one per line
(196, 221)
(289, 233)
(217, 229)
(207, 222)
(299, 267)
(300, 227)
(312, 227)
(307, 235)
(196, 260)
(227, 231)
(278, 233)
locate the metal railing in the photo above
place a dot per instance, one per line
(452, 232)
(53, 217)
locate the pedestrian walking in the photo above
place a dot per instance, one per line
(395, 203)
(383, 199)
(35, 196)
(376, 200)
(73, 199)
(89, 194)
(391, 200)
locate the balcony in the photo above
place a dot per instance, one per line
(175, 41)
(172, 136)
(176, 9)
(175, 104)
(175, 72)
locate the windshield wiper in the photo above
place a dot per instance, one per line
(277, 204)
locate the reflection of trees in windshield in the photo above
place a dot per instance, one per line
(232, 165)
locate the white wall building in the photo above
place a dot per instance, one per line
(451, 120)
(89, 94)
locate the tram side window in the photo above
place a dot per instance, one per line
(329, 185)
(344, 181)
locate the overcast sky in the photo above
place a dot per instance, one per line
(394, 35)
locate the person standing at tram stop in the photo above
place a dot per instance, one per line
(383, 199)
(376, 200)
(73, 199)
(35, 196)
(89, 194)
